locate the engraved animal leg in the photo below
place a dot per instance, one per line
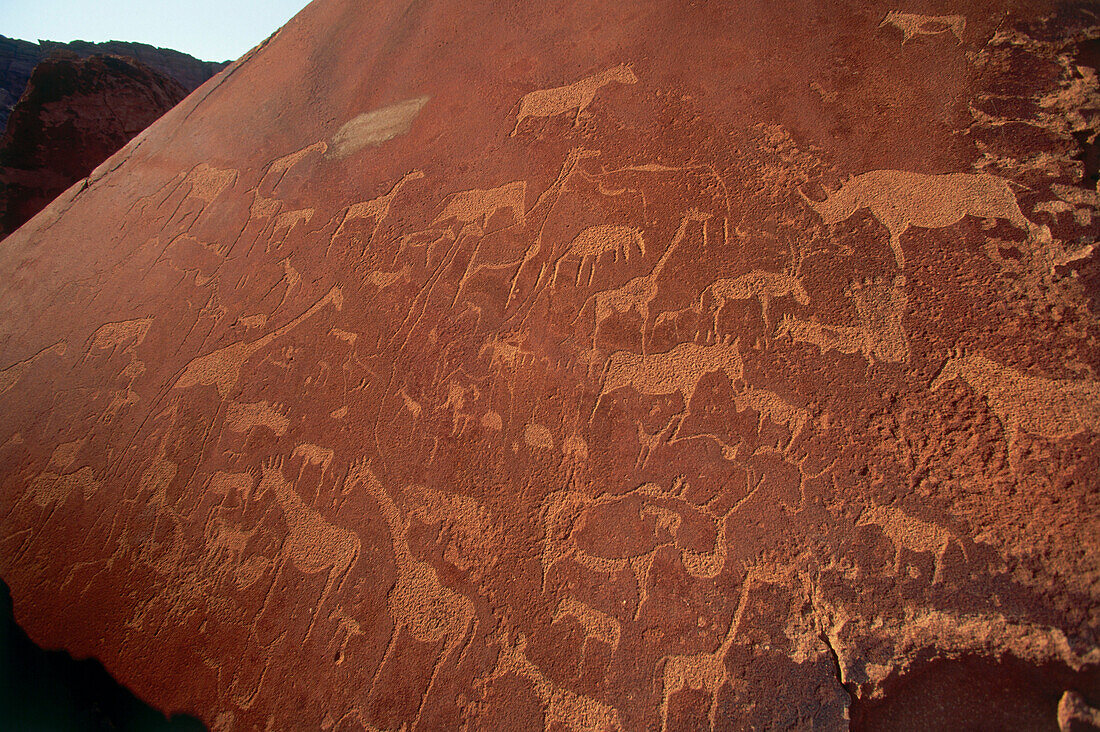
(453, 641)
(665, 697)
(937, 569)
(330, 579)
(895, 243)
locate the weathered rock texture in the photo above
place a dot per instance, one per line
(18, 59)
(74, 114)
(583, 366)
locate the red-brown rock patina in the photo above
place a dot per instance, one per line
(589, 366)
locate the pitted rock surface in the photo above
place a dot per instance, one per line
(583, 366)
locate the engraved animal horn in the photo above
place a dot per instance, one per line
(815, 205)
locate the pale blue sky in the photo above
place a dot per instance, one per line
(212, 30)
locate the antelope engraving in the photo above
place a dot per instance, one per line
(111, 336)
(206, 184)
(899, 199)
(912, 24)
(911, 534)
(1050, 408)
(576, 96)
(50, 487)
(312, 543)
(594, 242)
(224, 550)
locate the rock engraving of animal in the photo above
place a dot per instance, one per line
(576, 96)
(561, 707)
(594, 242)
(313, 455)
(1051, 408)
(756, 284)
(312, 543)
(672, 372)
(10, 376)
(880, 332)
(639, 292)
(376, 208)
(899, 200)
(706, 671)
(222, 368)
(596, 624)
(912, 24)
(243, 417)
(911, 534)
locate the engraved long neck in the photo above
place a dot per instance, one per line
(294, 509)
(393, 519)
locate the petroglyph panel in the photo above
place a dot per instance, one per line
(729, 377)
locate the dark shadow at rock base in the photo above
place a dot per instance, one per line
(975, 693)
(49, 690)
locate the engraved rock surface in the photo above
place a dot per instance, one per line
(589, 366)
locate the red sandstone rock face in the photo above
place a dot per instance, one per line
(18, 59)
(596, 366)
(74, 114)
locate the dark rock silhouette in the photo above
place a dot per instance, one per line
(75, 113)
(50, 690)
(18, 59)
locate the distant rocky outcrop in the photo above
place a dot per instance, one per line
(75, 113)
(18, 59)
